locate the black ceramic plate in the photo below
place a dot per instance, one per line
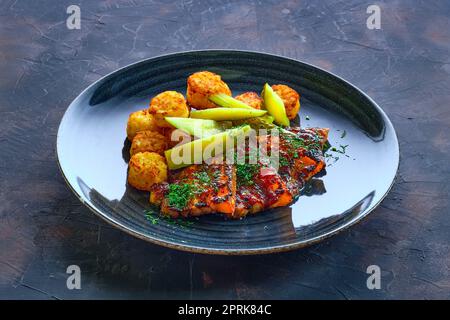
(92, 153)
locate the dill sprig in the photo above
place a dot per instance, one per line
(245, 173)
(156, 218)
(179, 195)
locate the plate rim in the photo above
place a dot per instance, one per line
(297, 244)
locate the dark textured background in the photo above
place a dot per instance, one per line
(405, 67)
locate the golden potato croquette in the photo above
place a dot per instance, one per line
(250, 98)
(146, 169)
(139, 121)
(290, 98)
(168, 104)
(201, 85)
(150, 141)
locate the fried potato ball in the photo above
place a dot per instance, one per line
(139, 121)
(146, 169)
(250, 98)
(290, 98)
(150, 141)
(168, 104)
(201, 85)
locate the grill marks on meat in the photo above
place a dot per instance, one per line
(268, 190)
(212, 188)
(215, 188)
(300, 158)
(303, 162)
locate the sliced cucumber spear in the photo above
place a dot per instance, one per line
(275, 106)
(197, 151)
(220, 114)
(226, 101)
(200, 128)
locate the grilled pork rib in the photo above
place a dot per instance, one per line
(240, 189)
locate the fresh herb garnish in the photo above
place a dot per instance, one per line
(296, 142)
(343, 134)
(179, 195)
(284, 162)
(307, 118)
(150, 216)
(245, 173)
(342, 150)
(239, 125)
(202, 177)
(156, 218)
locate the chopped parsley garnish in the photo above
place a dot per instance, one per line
(343, 134)
(307, 118)
(179, 195)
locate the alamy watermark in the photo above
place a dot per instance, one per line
(74, 280)
(251, 147)
(374, 280)
(374, 20)
(73, 21)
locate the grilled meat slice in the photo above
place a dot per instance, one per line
(265, 190)
(241, 189)
(197, 190)
(249, 199)
(300, 158)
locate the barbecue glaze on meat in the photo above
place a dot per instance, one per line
(240, 189)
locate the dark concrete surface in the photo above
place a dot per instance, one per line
(405, 67)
